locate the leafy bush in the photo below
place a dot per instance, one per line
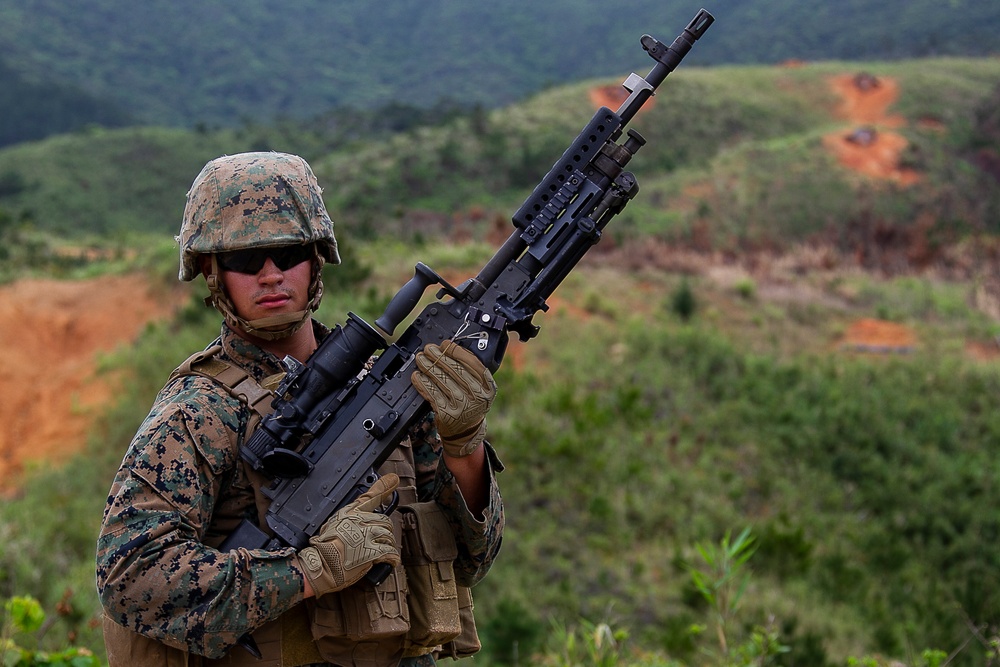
(26, 618)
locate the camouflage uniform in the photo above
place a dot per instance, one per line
(181, 487)
(169, 594)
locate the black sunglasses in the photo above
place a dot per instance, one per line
(252, 261)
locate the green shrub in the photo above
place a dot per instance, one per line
(682, 302)
(25, 622)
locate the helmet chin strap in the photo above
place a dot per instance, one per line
(274, 327)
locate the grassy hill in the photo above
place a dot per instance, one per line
(736, 158)
(700, 373)
(865, 478)
(750, 139)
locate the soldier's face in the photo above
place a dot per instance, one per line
(270, 291)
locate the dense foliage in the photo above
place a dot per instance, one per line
(25, 617)
(866, 481)
(34, 111)
(186, 62)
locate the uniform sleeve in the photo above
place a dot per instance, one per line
(154, 573)
(478, 540)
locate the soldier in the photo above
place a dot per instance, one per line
(256, 227)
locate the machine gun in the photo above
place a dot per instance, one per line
(334, 423)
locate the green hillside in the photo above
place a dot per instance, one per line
(33, 110)
(185, 63)
(697, 376)
(756, 129)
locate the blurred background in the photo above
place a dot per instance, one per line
(758, 424)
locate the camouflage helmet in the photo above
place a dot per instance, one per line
(253, 200)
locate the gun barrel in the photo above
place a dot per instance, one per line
(667, 59)
(670, 56)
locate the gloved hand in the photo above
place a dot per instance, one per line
(351, 541)
(460, 390)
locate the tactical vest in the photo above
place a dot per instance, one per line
(418, 609)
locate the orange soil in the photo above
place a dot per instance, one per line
(868, 335)
(52, 332)
(869, 106)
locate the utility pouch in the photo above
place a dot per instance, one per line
(362, 625)
(428, 554)
(467, 643)
(361, 611)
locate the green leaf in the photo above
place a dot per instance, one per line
(26, 613)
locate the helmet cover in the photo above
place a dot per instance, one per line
(253, 200)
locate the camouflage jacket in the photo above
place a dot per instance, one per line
(157, 571)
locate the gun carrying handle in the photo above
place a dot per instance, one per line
(407, 297)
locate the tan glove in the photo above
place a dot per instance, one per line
(351, 541)
(460, 390)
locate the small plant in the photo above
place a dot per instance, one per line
(593, 645)
(759, 648)
(683, 303)
(25, 617)
(746, 288)
(723, 580)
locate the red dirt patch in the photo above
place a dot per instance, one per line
(879, 159)
(868, 335)
(52, 330)
(865, 101)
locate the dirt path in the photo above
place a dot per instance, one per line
(52, 332)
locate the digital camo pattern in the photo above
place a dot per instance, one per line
(478, 541)
(156, 574)
(181, 489)
(253, 200)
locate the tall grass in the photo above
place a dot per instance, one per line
(630, 435)
(868, 480)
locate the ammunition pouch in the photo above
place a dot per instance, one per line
(429, 552)
(362, 625)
